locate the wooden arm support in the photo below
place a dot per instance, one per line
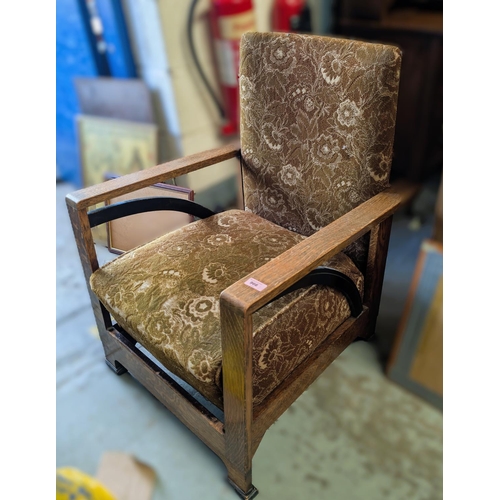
(92, 195)
(239, 301)
(290, 266)
(79, 201)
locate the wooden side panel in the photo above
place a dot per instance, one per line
(130, 232)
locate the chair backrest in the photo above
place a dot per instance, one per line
(317, 127)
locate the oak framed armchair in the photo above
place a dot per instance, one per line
(249, 307)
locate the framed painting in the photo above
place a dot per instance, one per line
(129, 232)
(416, 360)
(118, 146)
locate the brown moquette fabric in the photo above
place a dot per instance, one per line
(166, 294)
(317, 127)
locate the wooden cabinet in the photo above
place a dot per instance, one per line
(418, 142)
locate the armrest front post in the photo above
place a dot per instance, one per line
(78, 202)
(293, 264)
(236, 336)
(88, 257)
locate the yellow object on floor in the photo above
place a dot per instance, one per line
(72, 484)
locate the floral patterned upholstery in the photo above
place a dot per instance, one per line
(317, 127)
(166, 295)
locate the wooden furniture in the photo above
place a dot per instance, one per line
(234, 434)
(437, 232)
(418, 142)
(129, 232)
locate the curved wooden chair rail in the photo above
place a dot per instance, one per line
(143, 205)
(320, 276)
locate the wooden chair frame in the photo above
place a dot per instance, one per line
(236, 438)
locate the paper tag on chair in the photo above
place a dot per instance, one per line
(257, 285)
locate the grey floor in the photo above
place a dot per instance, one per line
(352, 435)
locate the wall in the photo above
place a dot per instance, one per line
(73, 57)
(146, 34)
(81, 52)
(198, 117)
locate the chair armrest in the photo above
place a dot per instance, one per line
(92, 195)
(283, 271)
(239, 301)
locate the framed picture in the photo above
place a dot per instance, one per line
(416, 360)
(118, 146)
(129, 232)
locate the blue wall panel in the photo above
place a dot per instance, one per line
(73, 58)
(77, 55)
(119, 53)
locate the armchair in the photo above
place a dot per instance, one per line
(249, 307)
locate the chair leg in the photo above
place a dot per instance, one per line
(241, 481)
(370, 332)
(115, 366)
(109, 353)
(236, 330)
(366, 338)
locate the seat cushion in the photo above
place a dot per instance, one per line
(166, 295)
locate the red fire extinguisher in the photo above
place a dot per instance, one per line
(286, 14)
(229, 20)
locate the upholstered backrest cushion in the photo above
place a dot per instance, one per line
(317, 127)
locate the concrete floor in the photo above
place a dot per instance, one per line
(352, 435)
